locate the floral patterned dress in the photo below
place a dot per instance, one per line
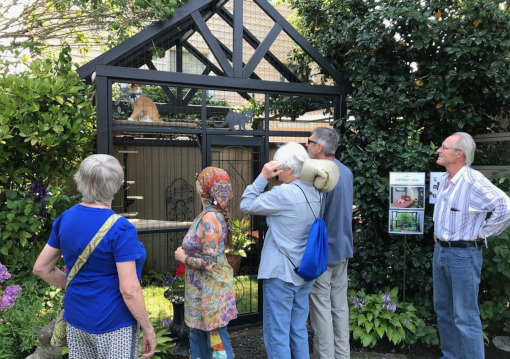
(210, 298)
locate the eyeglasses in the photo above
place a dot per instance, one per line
(448, 148)
(310, 141)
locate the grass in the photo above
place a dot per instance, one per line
(159, 308)
(246, 288)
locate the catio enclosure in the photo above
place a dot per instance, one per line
(226, 96)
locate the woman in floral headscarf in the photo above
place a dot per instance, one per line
(209, 300)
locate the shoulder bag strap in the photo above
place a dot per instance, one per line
(84, 256)
(320, 200)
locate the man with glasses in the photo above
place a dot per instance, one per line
(464, 198)
(329, 310)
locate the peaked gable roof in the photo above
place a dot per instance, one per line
(191, 18)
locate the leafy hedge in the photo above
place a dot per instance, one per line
(46, 128)
(419, 72)
(495, 281)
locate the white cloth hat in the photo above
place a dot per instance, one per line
(323, 173)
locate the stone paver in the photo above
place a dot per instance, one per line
(502, 343)
(377, 356)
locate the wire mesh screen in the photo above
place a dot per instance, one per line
(158, 192)
(153, 105)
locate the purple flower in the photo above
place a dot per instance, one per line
(166, 322)
(4, 275)
(386, 298)
(358, 302)
(10, 295)
(407, 321)
(391, 306)
(38, 192)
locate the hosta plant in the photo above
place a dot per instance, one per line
(373, 317)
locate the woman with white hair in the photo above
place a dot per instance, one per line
(290, 209)
(104, 304)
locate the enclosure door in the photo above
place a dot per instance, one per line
(243, 158)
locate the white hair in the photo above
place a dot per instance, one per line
(291, 155)
(467, 145)
(98, 178)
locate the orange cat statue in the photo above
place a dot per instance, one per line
(144, 109)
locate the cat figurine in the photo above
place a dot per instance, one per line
(144, 109)
(235, 118)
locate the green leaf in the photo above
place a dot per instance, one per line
(367, 340)
(369, 326)
(357, 333)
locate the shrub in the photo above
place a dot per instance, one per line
(46, 128)
(495, 279)
(419, 72)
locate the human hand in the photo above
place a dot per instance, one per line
(271, 169)
(180, 255)
(149, 343)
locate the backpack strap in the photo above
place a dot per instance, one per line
(320, 201)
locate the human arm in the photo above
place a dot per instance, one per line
(256, 201)
(133, 297)
(494, 200)
(45, 267)
(210, 232)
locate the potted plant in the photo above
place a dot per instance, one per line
(241, 238)
(175, 294)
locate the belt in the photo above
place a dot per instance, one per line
(461, 244)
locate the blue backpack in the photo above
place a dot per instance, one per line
(315, 256)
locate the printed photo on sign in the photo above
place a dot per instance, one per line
(406, 222)
(435, 178)
(407, 197)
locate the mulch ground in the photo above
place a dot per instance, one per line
(248, 343)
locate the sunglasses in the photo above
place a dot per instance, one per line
(310, 141)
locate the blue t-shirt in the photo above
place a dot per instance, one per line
(93, 302)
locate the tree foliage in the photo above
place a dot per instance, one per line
(420, 71)
(42, 24)
(46, 128)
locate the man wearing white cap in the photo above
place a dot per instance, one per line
(329, 310)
